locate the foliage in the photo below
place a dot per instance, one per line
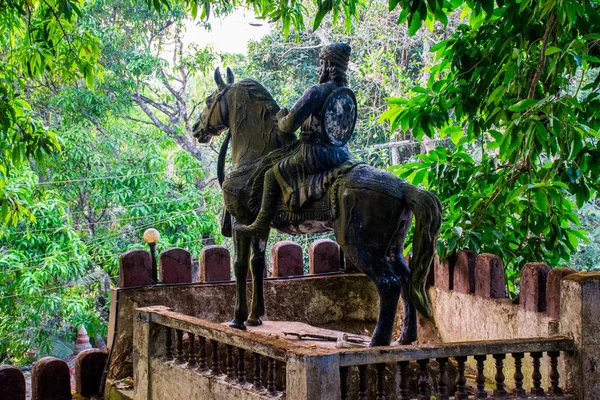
(520, 83)
(101, 194)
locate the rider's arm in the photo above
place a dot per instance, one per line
(304, 107)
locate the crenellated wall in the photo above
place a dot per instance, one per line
(468, 295)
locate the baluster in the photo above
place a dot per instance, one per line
(500, 392)
(230, 363)
(216, 368)
(169, 350)
(404, 367)
(362, 382)
(258, 386)
(424, 392)
(443, 393)
(192, 351)
(271, 389)
(519, 392)
(344, 382)
(284, 381)
(554, 375)
(481, 393)
(242, 366)
(202, 359)
(461, 381)
(537, 390)
(179, 346)
(380, 381)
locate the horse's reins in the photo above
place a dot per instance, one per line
(214, 105)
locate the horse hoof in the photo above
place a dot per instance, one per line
(254, 322)
(406, 338)
(237, 325)
(377, 343)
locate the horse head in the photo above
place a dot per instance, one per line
(213, 120)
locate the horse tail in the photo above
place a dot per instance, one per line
(428, 219)
(222, 157)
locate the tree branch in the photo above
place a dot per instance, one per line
(542, 62)
(157, 122)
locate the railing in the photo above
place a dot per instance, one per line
(256, 364)
(250, 361)
(401, 357)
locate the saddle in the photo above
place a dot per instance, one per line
(249, 180)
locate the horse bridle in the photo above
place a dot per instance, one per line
(218, 98)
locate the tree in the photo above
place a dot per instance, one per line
(518, 88)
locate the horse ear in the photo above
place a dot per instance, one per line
(230, 78)
(219, 79)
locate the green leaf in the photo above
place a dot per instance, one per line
(541, 200)
(456, 135)
(415, 23)
(515, 193)
(552, 50)
(523, 104)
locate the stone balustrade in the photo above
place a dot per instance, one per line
(185, 355)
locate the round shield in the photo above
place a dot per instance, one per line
(338, 116)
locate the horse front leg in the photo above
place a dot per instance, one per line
(240, 269)
(257, 263)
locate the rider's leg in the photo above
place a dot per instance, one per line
(260, 226)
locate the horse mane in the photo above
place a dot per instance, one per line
(252, 120)
(257, 92)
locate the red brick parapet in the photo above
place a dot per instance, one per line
(324, 256)
(135, 269)
(175, 266)
(215, 264)
(287, 259)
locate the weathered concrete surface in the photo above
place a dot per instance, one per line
(135, 268)
(215, 264)
(467, 317)
(287, 259)
(12, 383)
(553, 290)
(112, 392)
(326, 301)
(489, 276)
(324, 256)
(464, 272)
(313, 377)
(50, 379)
(533, 287)
(172, 381)
(89, 367)
(580, 318)
(176, 266)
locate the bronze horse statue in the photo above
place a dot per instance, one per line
(373, 211)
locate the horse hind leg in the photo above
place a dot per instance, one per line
(388, 286)
(409, 322)
(257, 263)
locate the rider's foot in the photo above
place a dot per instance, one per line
(259, 228)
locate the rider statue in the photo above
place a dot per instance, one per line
(308, 170)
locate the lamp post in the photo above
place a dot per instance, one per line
(151, 236)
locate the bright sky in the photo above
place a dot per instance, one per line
(229, 34)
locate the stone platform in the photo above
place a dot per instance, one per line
(277, 329)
